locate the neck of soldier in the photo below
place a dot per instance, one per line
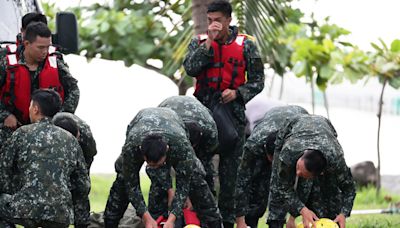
(37, 118)
(31, 63)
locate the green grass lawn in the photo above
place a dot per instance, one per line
(365, 199)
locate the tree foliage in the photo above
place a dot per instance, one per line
(132, 31)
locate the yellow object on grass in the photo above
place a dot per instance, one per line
(192, 226)
(322, 223)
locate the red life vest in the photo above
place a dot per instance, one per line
(16, 91)
(229, 66)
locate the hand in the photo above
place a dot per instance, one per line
(308, 217)
(170, 223)
(188, 204)
(148, 221)
(11, 122)
(341, 219)
(241, 222)
(291, 222)
(214, 29)
(228, 95)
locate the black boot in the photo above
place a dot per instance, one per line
(215, 224)
(276, 223)
(82, 225)
(108, 223)
(4, 224)
(228, 225)
(251, 221)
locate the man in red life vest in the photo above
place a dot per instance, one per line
(229, 72)
(33, 68)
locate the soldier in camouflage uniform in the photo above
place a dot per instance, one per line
(309, 174)
(202, 130)
(228, 70)
(43, 174)
(85, 139)
(254, 173)
(164, 126)
(32, 63)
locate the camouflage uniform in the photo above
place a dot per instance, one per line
(254, 173)
(200, 59)
(44, 174)
(180, 156)
(191, 110)
(334, 186)
(69, 83)
(86, 139)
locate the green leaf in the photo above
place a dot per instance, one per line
(322, 83)
(299, 69)
(383, 44)
(326, 72)
(104, 27)
(395, 82)
(376, 47)
(395, 46)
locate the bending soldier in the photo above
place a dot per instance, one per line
(309, 174)
(252, 188)
(158, 136)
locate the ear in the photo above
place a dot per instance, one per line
(230, 20)
(26, 42)
(35, 109)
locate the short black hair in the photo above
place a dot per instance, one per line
(66, 123)
(314, 161)
(33, 17)
(154, 148)
(194, 132)
(35, 29)
(220, 6)
(48, 100)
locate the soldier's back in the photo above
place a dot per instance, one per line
(47, 157)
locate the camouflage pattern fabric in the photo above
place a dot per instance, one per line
(161, 181)
(70, 85)
(254, 173)
(49, 174)
(86, 139)
(180, 156)
(200, 195)
(200, 59)
(191, 110)
(309, 132)
(117, 201)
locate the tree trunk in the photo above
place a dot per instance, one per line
(326, 104)
(199, 16)
(380, 107)
(182, 86)
(271, 85)
(312, 95)
(282, 87)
